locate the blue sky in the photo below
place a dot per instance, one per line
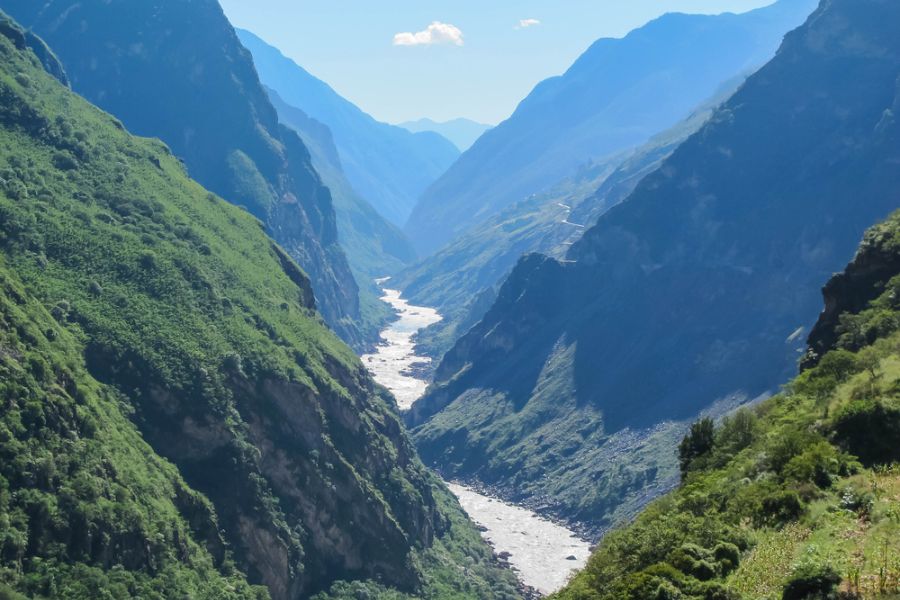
(479, 60)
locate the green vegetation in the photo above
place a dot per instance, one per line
(175, 419)
(797, 498)
(687, 299)
(177, 72)
(461, 551)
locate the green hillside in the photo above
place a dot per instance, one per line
(798, 497)
(177, 71)
(177, 420)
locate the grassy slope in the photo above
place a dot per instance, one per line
(782, 484)
(129, 291)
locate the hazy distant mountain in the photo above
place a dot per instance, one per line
(462, 132)
(388, 165)
(616, 96)
(458, 278)
(374, 247)
(693, 294)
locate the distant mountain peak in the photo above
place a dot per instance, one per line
(388, 165)
(461, 131)
(616, 96)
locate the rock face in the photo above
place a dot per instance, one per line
(616, 96)
(691, 294)
(175, 419)
(865, 279)
(178, 72)
(462, 279)
(387, 165)
(374, 247)
(675, 544)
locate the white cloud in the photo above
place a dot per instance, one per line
(436, 33)
(526, 23)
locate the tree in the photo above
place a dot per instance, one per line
(697, 443)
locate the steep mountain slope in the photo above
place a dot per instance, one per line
(388, 165)
(462, 132)
(691, 295)
(176, 419)
(457, 279)
(616, 96)
(796, 498)
(178, 72)
(374, 247)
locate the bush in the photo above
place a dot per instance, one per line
(737, 431)
(717, 591)
(781, 507)
(812, 582)
(728, 556)
(820, 464)
(697, 443)
(870, 430)
(695, 561)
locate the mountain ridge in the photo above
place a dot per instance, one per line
(146, 66)
(388, 165)
(177, 419)
(791, 498)
(461, 131)
(614, 97)
(688, 295)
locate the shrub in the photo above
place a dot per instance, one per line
(781, 507)
(717, 591)
(820, 464)
(64, 161)
(737, 431)
(812, 582)
(699, 442)
(870, 430)
(695, 561)
(728, 556)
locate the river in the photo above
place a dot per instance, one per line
(543, 553)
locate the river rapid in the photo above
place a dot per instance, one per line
(544, 554)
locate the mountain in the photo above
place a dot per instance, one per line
(691, 295)
(616, 96)
(375, 248)
(458, 279)
(389, 166)
(180, 74)
(795, 498)
(177, 421)
(462, 132)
